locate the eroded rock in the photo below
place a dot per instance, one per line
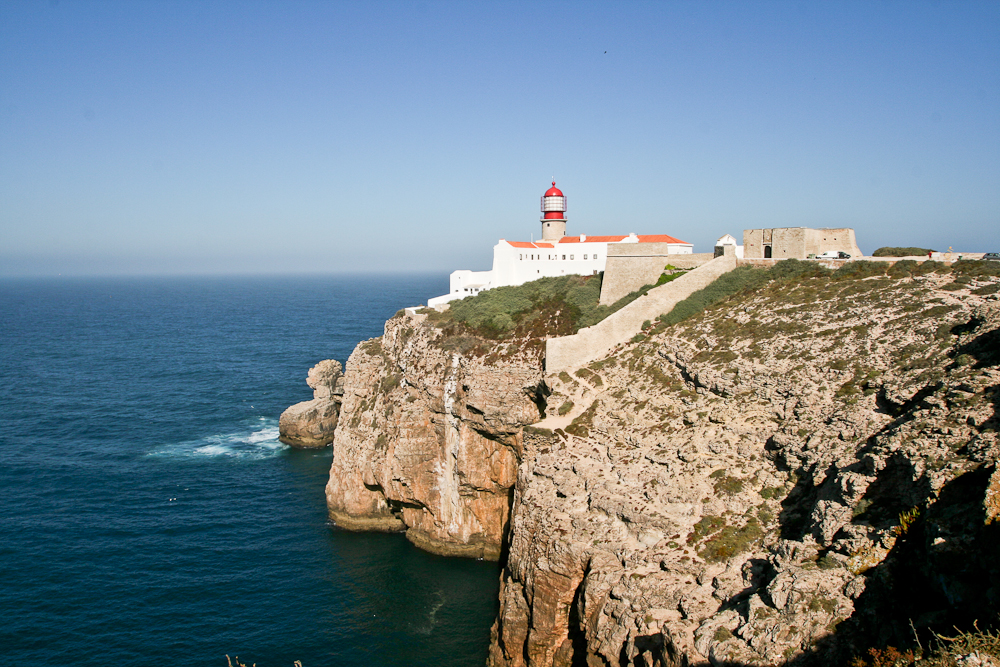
(312, 424)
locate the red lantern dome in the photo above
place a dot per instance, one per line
(554, 204)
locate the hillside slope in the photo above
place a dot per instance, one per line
(794, 473)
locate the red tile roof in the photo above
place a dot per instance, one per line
(525, 244)
(643, 238)
(657, 238)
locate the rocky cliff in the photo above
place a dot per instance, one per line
(794, 473)
(312, 424)
(798, 472)
(430, 436)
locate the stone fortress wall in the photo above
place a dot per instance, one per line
(797, 242)
(598, 341)
(630, 266)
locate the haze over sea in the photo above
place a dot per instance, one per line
(149, 514)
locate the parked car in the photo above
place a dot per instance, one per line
(833, 254)
(992, 256)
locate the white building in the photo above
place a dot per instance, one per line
(518, 262)
(728, 239)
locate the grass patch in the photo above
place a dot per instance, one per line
(581, 425)
(731, 541)
(705, 527)
(728, 485)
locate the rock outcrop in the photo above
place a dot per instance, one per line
(430, 437)
(795, 474)
(312, 424)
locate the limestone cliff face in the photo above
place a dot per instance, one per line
(311, 424)
(430, 437)
(792, 475)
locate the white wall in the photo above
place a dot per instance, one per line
(516, 266)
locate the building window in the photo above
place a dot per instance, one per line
(595, 256)
(571, 256)
(585, 255)
(564, 256)
(520, 256)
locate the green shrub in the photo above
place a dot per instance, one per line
(669, 274)
(859, 269)
(903, 268)
(975, 268)
(705, 527)
(771, 492)
(731, 541)
(581, 425)
(722, 634)
(390, 382)
(728, 485)
(930, 266)
(565, 408)
(901, 252)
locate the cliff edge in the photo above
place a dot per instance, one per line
(430, 436)
(806, 468)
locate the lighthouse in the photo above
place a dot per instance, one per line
(553, 214)
(554, 255)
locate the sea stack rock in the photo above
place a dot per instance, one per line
(311, 424)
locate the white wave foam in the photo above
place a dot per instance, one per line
(255, 442)
(431, 620)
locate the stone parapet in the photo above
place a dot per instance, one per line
(630, 266)
(598, 341)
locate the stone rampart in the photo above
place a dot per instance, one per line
(629, 266)
(597, 341)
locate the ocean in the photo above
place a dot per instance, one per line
(148, 513)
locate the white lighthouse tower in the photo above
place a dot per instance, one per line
(553, 214)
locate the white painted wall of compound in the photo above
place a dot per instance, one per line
(516, 265)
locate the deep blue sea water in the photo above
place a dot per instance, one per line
(148, 514)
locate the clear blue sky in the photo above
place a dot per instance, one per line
(242, 137)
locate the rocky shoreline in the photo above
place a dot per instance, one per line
(793, 475)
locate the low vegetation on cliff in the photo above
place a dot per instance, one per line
(541, 308)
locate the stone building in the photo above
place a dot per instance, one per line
(797, 242)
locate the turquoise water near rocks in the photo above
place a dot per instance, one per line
(148, 514)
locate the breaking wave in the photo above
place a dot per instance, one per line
(259, 440)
